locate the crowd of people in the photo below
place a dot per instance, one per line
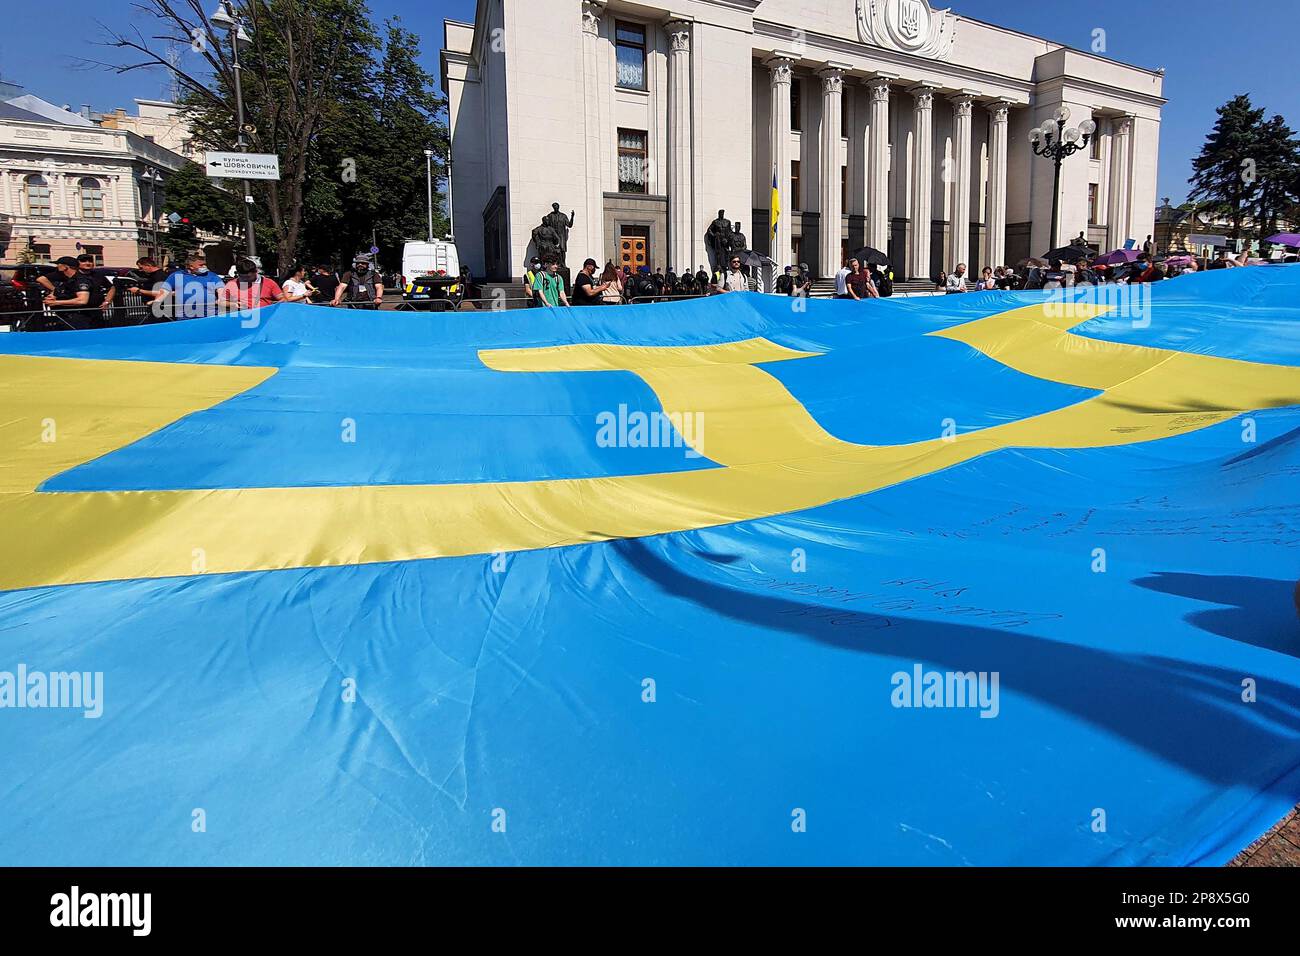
(1058, 273)
(544, 284)
(80, 296)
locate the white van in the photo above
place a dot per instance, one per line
(420, 258)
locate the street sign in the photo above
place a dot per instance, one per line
(174, 218)
(374, 250)
(243, 166)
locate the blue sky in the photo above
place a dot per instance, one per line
(1212, 50)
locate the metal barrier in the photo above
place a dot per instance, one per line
(641, 299)
(53, 319)
(458, 305)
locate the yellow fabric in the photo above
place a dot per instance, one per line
(775, 215)
(775, 456)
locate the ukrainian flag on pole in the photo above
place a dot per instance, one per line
(776, 206)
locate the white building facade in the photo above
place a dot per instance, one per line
(882, 122)
(69, 186)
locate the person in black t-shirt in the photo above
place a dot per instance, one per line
(324, 283)
(76, 297)
(107, 290)
(586, 291)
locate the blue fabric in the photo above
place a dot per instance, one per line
(514, 691)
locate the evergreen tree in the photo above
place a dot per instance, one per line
(1279, 163)
(1225, 177)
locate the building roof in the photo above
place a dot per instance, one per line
(9, 111)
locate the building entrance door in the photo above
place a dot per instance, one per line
(633, 247)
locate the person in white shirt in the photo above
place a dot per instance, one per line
(733, 280)
(842, 282)
(957, 281)
(296, 287)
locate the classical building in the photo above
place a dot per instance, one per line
(887, 124)
(69, 184)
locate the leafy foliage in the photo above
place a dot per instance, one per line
(349, 113)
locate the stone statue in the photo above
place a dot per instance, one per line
(560, 224)
(737, 242)
(547, 243)
(718, 239)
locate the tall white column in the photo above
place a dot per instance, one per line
(679, 144)
(878, 164)
(594, 204)
(782, 243)
(959, 245)
(996, 224)
(922, 180)
(1121, 182)
(829, 171)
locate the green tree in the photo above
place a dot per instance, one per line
(348, 114)
(1225, 176)
(1279, 169)
(191, 195)
(305, 68)
(375, 190)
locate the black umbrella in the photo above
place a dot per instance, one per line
(1068, 254)
(749, 257)
(869, 257)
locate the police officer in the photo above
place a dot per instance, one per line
(76, 296)
(107, 290)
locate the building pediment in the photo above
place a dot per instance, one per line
(909, 26)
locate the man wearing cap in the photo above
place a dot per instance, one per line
(76, 296)
(107, 290)
(530, 281)
(586, 291)
(362, 285)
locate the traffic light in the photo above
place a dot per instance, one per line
(181, 229)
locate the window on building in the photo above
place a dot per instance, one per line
(844, 113)
(92, 199)
(96, 251)
(1095, 145)
(844, 189)
(632, 160)
(1092, 204)
(629, 53)
(41, 250)
(796, 98)
(37, 191)
(796, 197)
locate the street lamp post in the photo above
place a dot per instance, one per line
(226, 18)
(451, 228)
(153, 179)
(428, 175)
(1056, 142)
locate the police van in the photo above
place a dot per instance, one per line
(430, 268)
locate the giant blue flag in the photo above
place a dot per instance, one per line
(981, 579)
